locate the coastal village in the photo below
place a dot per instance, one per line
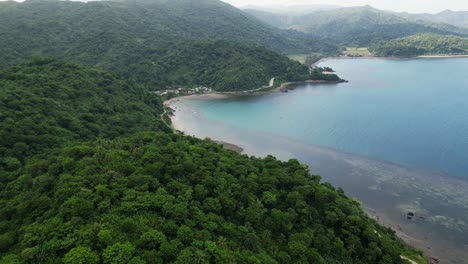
(185, 91)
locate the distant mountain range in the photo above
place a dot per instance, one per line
(357, 26)
(292, 9)
(140, 22)
(153, 41)
(90, 171)
(157, 42)
(455, 18)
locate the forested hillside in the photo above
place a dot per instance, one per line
(455, 18)
(163, 198)
(290, 9)
(422, 44)
(357, 26)
(46, 104)
(276, 19)
(77, 185)
(223, 65)
(113, 27)
(89, 173)
(132, 38)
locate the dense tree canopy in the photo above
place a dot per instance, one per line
(422, 44)
(90, 174)
(222, 65)
(78, 185)
(46, 104)
(317, 73)
(148, 41)
(165, 198)
(357, 26)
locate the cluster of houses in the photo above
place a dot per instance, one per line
(185, 91)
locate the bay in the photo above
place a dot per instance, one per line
(395, 137)
(412, 112)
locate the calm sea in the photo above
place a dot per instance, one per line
(411, 112)
(392, 137)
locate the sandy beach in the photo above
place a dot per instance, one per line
(175, 122)
(389, 58)
(388, 191)
(367, 179)
(221, 95)
(442, 56)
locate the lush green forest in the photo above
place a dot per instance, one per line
(223, 65)
(89, 173)
(422, 44)
(164, 198)
(455, 18)
(103, 29)
(356, 26)
(317, 73)
(149, 41)
(81, 183)
(47, 104)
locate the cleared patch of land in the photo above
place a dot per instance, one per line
(308, 59)
(357, 52)
(298, 57)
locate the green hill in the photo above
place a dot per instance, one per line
(279, 20)
(455, 18)
(422, 44)
(161, 198)
(108, 27)
(124, 36)
(223, 65)
(77, 186)
(46, 104)
(358, 26)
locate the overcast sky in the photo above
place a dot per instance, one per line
(414, 6)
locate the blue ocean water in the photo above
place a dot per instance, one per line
(410, 112)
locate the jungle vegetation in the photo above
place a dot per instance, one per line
(158, 43)
(87, 178)
(422, 44)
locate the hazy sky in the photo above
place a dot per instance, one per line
(414, 6)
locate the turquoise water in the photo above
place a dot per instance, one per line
(389, 138)
(410, 112)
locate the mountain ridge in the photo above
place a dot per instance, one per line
(357, 26)
(455, 18)
(128, 37)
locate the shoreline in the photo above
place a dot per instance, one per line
(222, 95)
(370, 211)
(221, 141)
(403, 228)
(230, 146)
(442, 56)
(405, 233)
(284, 87)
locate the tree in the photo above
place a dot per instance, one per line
(118, 253)
(81, 255)
(152, 239)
